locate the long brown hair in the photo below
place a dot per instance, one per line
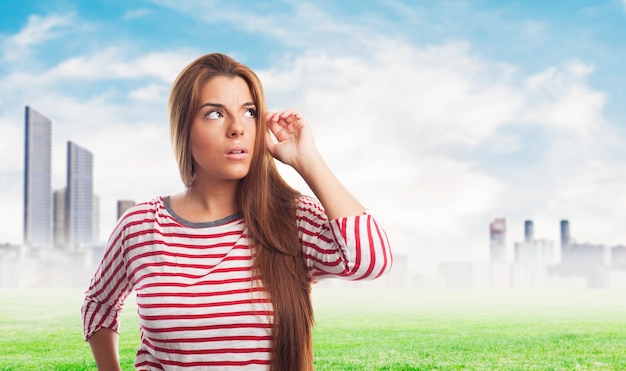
(268, 205)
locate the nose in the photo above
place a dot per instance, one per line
(236, 128)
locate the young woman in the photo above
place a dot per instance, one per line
(222, 271)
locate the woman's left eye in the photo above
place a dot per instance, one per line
(250, 112)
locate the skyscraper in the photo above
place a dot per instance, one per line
(528, 231)
(497, 232)
(79, 198)
(122, 206)
(37, 179)
(59, 217)
(565, 237)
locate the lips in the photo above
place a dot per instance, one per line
(237, 153)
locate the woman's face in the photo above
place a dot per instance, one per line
(223, 130)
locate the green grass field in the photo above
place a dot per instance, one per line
(371, 330)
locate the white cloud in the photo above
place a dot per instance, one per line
(115, 63)
(441, 95)
(37, 31)
(566, 100)
(151, 92)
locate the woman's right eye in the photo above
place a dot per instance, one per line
(213, 115)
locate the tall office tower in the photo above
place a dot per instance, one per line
(528, 231)
(37, 179)
(497, 231)
(122, 206)
(565, 237)
(59, 217)
(79, 197)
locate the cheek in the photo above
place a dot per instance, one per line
(200, 144)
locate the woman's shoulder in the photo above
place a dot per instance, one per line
(143, 210)
(305, 201)
(310, 207)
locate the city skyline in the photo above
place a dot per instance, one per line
(438, 116)
(64, 218)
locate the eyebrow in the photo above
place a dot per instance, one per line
(219, 105)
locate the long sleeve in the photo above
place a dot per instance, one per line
(108, 288)
(352, 248)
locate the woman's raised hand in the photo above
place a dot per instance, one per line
(294, 143)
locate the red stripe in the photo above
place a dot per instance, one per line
(319, 249)
(174, 317)
(218, 363)
(384, 249)
(177, 254)
(310, 222)
(148, 363)
(196, 284)
(223, 326)
(185, 266)
(214, 236)
(165, 253)
(357, 243)
(204, 305)
(199, 294)
(370, 241)
(214, 339)
(333, 263)
(205, 351)
(186, 275)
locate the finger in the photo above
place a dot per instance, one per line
(272, 116)
(277, 128)
(290, 113)
(269, 143)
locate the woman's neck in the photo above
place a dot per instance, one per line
(203, 202)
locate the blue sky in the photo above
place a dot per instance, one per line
(440, 116)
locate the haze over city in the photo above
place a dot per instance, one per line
(440, 117)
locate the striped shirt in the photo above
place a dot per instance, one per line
(199, 305)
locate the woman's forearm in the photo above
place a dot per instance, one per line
(104, 345)
(338, 202)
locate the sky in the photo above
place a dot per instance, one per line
(439, 116)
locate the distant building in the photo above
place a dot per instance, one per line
(456, 274)
(37, 179)
(59, 218)
(535, 256)
(586, 260)
(618, 257)
(79, 211)
(474, 275)
(122, 206)
(565, 237)
(528, 231)
(497, 232)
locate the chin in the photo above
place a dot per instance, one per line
(240, 176)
